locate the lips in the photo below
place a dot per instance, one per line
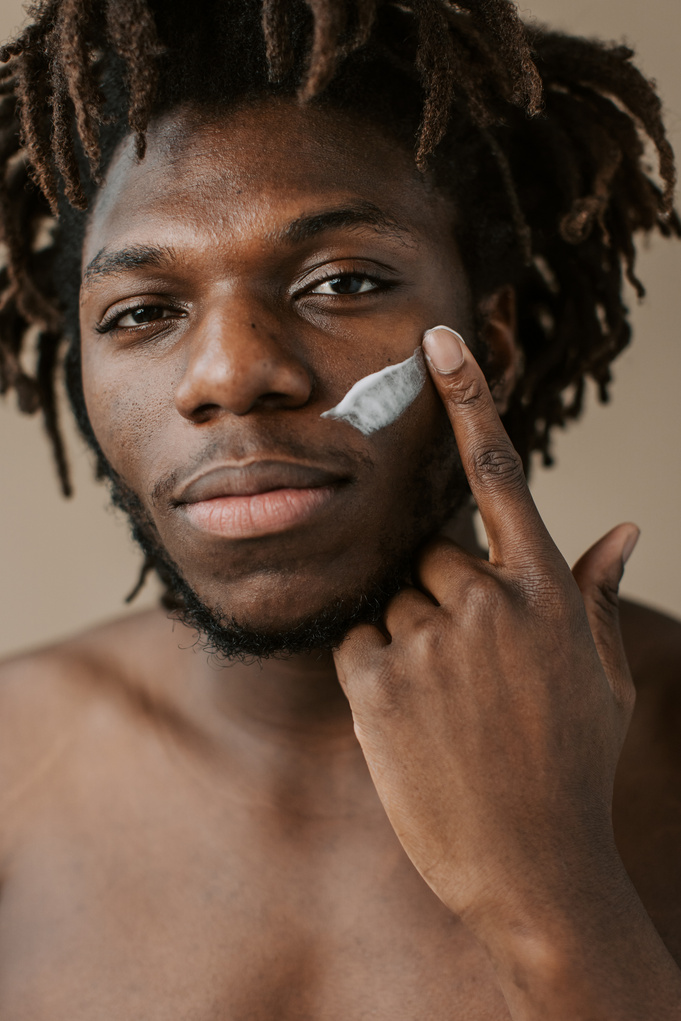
(257, 499)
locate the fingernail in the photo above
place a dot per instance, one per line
(444, 348)
(629, 546)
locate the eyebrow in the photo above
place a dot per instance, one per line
(134, 257)
(356, 215)
(304, 228)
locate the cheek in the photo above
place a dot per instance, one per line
(418, 451)
(128, 408)
(378, 400)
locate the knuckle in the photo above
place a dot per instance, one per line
(605, 603)
(466, 390)
(428, 635)
(386, 690)
(396, 681)
(607, 597)
(482, 597)
(494, 465)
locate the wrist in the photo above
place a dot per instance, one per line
(549, 890)
(588, 950)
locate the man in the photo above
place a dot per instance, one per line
(388, 793)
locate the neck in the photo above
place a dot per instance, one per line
(283, 727)
(296, 701)
(298, 694)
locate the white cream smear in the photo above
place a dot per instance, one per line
(379, 399)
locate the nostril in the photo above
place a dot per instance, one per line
(207, 412)
(275, 400)
(204, 413)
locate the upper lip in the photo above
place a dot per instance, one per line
(254, 477)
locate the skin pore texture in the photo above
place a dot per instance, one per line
(419, 825)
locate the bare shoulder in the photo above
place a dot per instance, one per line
(50, 695)
(60, 676)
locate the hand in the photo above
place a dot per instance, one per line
(493, 717)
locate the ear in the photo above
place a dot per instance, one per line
(497, 314)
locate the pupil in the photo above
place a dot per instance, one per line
(141, 315)
(347, 285)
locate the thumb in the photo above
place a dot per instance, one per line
(598, 573)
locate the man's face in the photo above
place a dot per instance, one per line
(236, 284)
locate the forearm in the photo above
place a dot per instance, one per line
(591, 954)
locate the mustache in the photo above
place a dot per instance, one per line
(341, 459)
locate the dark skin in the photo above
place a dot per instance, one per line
(429, 838)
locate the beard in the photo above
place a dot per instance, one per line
(222, 635)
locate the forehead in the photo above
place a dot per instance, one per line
(242, 174)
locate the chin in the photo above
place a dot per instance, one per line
(284, 604)
(284, 613)
(223, 633)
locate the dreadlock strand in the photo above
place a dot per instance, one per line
(15, 378)
(10, 50)
(276, 28)
(26, 268)
(63, 146)
(577, 224)
(79, 82)
(48, 357)
(435, 61)
(32, 35)
(19, 290)
(148, 565)
(522, 228)
(32, 97)
(132, 32)
(607, 140)
(27, 61)
(476, 68)
(329, 21)
(609, 70)
(365, 11)
(499, 20)
(7, 78)
(616, 138)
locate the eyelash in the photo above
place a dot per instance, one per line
(110, 322)
(379, 283)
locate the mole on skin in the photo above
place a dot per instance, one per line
(380, 398)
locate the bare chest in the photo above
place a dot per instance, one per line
(138, 895)
(170, 914)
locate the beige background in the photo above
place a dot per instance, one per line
(67, 564)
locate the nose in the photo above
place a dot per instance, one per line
(237, 361)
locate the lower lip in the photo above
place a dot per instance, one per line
(248, 517)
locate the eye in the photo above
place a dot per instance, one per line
(346, 283)
(140, 316)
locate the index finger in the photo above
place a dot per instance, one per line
(494, 469)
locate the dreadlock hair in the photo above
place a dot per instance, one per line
(542, 139)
